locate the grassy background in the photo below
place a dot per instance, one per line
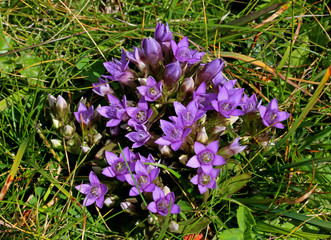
(58, 47)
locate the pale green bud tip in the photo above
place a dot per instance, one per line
(202, 136)
(56, 143)
(173, 227)
(61, 104)
(69, 130)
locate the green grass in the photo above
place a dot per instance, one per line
(58, 47)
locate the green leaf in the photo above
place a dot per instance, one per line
(300, 55)
(194, 225)
(231, 234)
(245, 219)
(234, 184)
(31, 67)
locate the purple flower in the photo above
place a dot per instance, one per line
(152, 91)
(143, 179)
(172, 73)
(272, 116)
(183, 54)
(139, 115)
(115, 111)
(138, 58)
(139, 137)
(232, 149)
(102, 88)
(190, 114)
(219, 80)
(95, 191)
(174, 133)
(205, 157)
(204, 99)
(161, 203)
(117, 166)
(84, 114)
(152, 51)
(226, 104)
(250, 105)
(205, 179)
(162, 33)
(120, 71)
(209, 71)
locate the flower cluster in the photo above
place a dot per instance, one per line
(171, 102)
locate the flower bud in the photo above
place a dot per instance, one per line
(172, 73)
(69, 131)
(187, 86)
(97, 137)
(57, 124)
(110, 201)
(162, 33)
(56, 143)
(166, 151)
(183, 159)
(128, 207)
(232, 149)
(209, 71)
(202, 136)
(173, 227)
(85, 149)
(152, 51)
(51, 101)
(150, 219)
(61, 105)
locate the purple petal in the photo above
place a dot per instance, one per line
(213, 146)
(281, 116)
(207, 168)
(84, 188)
(110, 157)
(175, 209)
(176, 145)
(154, 173)
(158, 193)
(133, 192)
(94, 179)
(202, 189)
(193, 162)
(100, 201)
(89, 200)
(108, 171)
(129, 179)
(279, 125)
(262, 110)
(218, 160)
(273, 104)
(152, 207)
(199, 147)
(162, 141)
(113, 123)
(195, 180)
(140, 169)
(150, 187)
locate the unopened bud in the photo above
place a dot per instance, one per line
(51, 102)
(110, 201)
(69, 130)
(85, 149)
(57, 124)
(187, 86)
(150, 219)
(166, 190)
(128, 207)
(183, 159)
(166, 151)
(173, 227)
(97, 138)
(202, 136)
(56, 143)
(61, 105)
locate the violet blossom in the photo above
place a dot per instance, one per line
(95, 191)
(139, 115)
(250, 105)
(143, 178)
(115, 111)
(209, 71)
(272, 116)
(205, 179)
(204, 99)
(118, 167)
(152, 51)
(190, 114)
(84, 116)
(102, 87)
(183, 54)
(226, 104)
(174, 133)
(232, 149)
(206, 157)
(138, 57)
(172, 73)
(120, 70)
(152, 91)
(162, 203)
(139, 137)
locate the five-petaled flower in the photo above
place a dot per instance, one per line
(84, 116)
(205, 179)
(95, 191)
(271, 116)
(163, 203)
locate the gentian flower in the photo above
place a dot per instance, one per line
(102, 88)
(174, 133)
(118, 166)
(206, 157)
(161, 203)
(139, 137)
(209, 71)
(172, 73)
(219, 80)
(226, 104)
(205, 179)
(84, 114)
(115, 111)
(139, 115)
(204, 99)
(120, 70)
(190, 114)
(143, 178)
(233, 148)
(272, 116)
(152, 91)
(250, 105)
(138, 58)
(162, 33)
(152, 51)
(183, 54)
(95, 191)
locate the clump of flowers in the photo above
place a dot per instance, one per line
(170, 104)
